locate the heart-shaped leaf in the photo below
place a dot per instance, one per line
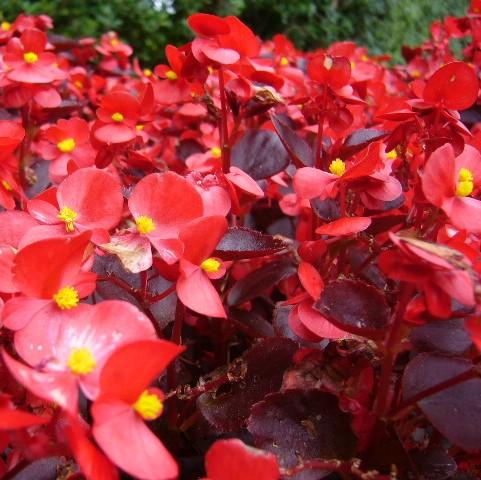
(356, 307)
(260, 154)
(242, 242)
(455, 411)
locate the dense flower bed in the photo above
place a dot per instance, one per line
(250, 263)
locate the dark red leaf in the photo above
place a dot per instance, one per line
(355, 306)
(300, 424)
(260, 154)
(260, 280)
(242, 242)
(299, 150)
(360, 139)
(444, 336)
(264, 365)
(455, 411)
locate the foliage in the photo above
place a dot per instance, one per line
(381, 25)
(249, 262)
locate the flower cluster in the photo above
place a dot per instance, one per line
(247, 242)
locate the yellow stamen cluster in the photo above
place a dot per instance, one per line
(144, 224)
(211, 265)
(5, 26)
(139, 127)
(114, 42)
(392, 155)
(337, 167)
(30, 57)
(216, 152)
(81, 361)
(68, 216)
(66, 298)
(67, 145)
(6, 186)
(465, 183)
(328, 63)
(147, 72)
(171, 75)
(79, 84)
(148, 405)
(117, 117)
(284, 61)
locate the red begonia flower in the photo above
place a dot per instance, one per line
(125, 401)
(81, 343)
(27, 61)
(69, 140)
(88, 199)
(440, 280)
(197, 267)
(49, 275)
(118, 116)
(162, 204)
(449, 181)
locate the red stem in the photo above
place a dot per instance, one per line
(320, 129)
(382, 406)
(224, 132)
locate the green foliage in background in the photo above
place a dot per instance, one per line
(148, 25)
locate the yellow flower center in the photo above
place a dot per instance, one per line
(148, 405)
(68, 216)
(67, 145)
(6, 186)
(144, 224)
(284, 61)
(171, 75)
(337, 167)
(117, 117)
(353, 65)
(216, 152)
(66, 298)
(30, 57)
(211, 265)
(328, 63)
(79, 84)
(147, 72)
(392, 155)
(364, 58)
(415, 73)
(139, 127)
(465, 183)
(81, 361)
(5, 26)
(114, 42)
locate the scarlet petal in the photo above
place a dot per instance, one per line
(311, 183)
(92, 462)
(243, 181)
(11, 419)
(438, 178)
(169, 200)
(310, 279)
(95, 195)
(197, 292)
(129, 443)
(7, 256)
(33, 40)
(464, 213)
(44, 267)
(454, 84)
(234, 460)
(18, 311)
(210, 48)
(345, 226)
(58, 387)
(115, 133)
(132, 367)
(201, 236)
(317, 324)
(208, 25)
